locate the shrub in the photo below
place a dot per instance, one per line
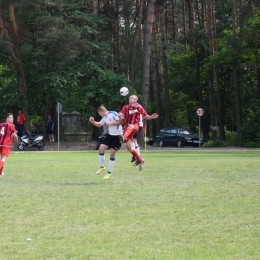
(230, 141)
(251, 144)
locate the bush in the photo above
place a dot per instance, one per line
(251, 144)
(230, 141)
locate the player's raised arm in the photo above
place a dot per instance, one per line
(153, 116)
(92, 121)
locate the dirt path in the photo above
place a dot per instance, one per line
(90, 146)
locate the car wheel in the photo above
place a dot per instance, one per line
(179, 143)
(161, 144)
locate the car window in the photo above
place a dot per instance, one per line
(185, 132)
(173, 131)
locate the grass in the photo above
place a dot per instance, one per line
(183, 205)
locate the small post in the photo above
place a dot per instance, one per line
(199, 133)
(58, 109)
(200, 113)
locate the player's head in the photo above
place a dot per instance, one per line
(102, 111)
(133, 99)
(9, 117)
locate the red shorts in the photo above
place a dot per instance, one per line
(5, 151)
(134, 131)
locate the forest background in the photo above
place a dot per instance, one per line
(176, 55)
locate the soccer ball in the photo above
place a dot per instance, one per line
(124, 91)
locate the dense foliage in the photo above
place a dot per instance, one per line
(80, 53)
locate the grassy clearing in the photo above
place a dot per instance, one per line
(183, 205)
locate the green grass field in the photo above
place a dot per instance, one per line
(183, 205)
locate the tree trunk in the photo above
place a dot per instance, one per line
(117, 50)
(134, 42)
(258, 81)
(211, 73)
(158, 86)
(147, 52)
(184, 23)
(258, 74)
(165, 65)
(220, 107)
(22, 87)
(95, 11)
(219, 94)
(235, 78)
(174, 24)
(203, 14)
(251, 7)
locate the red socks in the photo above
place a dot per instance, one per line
(137, 156)
(1, 167)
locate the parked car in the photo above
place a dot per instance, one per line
(178, 136)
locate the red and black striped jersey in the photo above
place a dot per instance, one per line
(6, 131)
(132, 114)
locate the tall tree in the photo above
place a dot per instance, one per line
(174, 23)
(165, 63)
(147, 51)
(134, 41)
(184, 24)
(235, 78)
(158, 86)
(219, 91)
(17, 61)
(95, 12)
(211, 71)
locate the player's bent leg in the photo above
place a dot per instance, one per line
(2, 163)
(137, 156)
(101, 157)
(127, 133)
(102, 148)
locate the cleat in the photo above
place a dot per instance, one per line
(107, 177)
(100, 170)
(141, 165)
(133, 159)
(136, 163)
(2, 174)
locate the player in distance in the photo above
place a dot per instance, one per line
(8, 133)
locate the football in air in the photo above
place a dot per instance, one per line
(124, 91)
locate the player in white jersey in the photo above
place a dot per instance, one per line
(111, 140)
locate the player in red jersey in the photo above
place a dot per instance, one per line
(7, 134)
(130, 115)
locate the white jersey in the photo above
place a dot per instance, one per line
(112, 117)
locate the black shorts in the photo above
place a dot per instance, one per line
(50, 132)
(112, 141)
(137, 134)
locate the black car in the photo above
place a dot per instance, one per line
(178, 137)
